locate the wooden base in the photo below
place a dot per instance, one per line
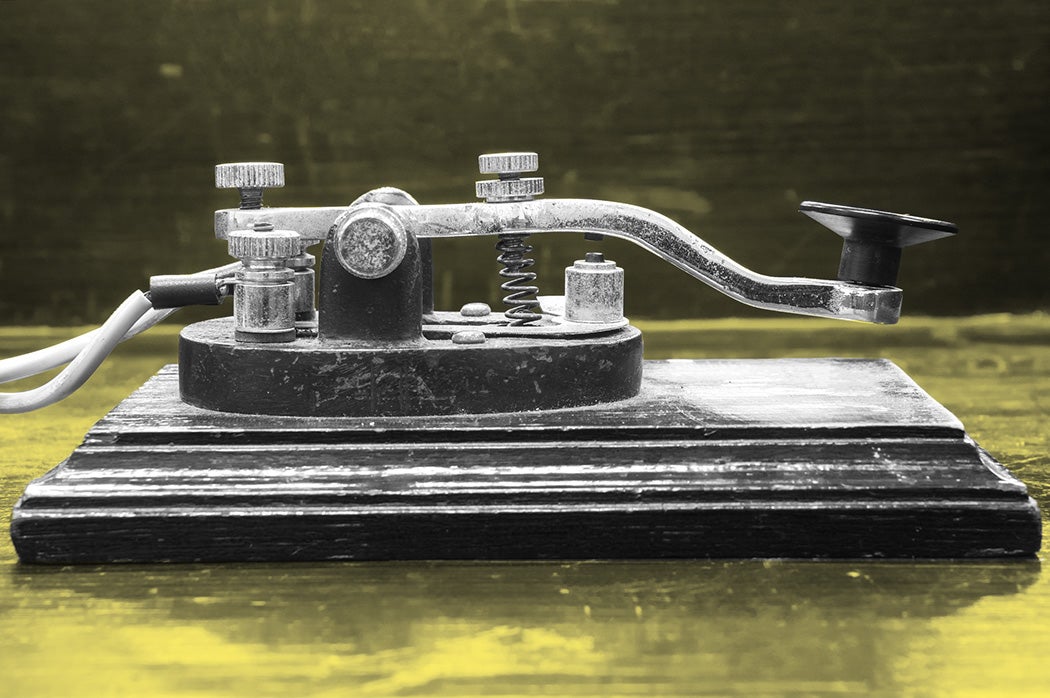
(811, 458)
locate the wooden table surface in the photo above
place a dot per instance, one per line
(573, 628)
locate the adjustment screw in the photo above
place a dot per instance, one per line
(510, 186)
(508, 163)
(250, 178)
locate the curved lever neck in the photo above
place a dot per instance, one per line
(666, 239)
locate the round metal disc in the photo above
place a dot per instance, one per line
(881, 227)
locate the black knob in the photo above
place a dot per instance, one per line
(872, 240)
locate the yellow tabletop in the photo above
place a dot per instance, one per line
(572, 628)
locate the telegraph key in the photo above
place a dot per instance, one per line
(359, 422)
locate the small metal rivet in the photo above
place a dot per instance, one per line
(469, 337)
(475, 310)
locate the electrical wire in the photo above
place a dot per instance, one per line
(80, 369)
(26, 365)
(85, 353)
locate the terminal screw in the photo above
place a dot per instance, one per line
(262, 247)
(264, 295)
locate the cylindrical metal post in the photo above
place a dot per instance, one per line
(593, 290)
(264, 296)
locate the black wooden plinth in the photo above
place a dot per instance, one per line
(812, 458)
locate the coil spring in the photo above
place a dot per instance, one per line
(520, 298)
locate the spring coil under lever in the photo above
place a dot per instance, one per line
(520, 298)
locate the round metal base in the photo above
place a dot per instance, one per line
(309, 377)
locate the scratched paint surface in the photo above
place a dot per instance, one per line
(579, 628)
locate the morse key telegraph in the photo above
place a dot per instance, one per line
(337, 414)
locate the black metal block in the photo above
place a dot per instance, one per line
(311, 377)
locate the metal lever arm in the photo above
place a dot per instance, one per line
(665, 238)
(648, 229)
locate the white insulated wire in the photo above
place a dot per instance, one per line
(80, 369)
(18, 367)
(85, 353)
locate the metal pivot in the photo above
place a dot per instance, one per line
(511, 186)
(371, 284)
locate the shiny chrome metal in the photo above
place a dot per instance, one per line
(468, 337)
(667, 239)
(250, 178)
(503, 190)
(593, 290)
(442, 324)
(305, 298)
(520, 297)
(264, 294)
(475, 310)
(508, 163)
(369, 241)
(510, 186)
(312, 224)
(648, 229)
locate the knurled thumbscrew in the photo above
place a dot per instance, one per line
(264, 245)
(250, 178)
(510, 186)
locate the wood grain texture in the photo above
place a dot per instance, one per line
(715, 458)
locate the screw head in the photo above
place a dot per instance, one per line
(508, 163)
(264, 244)
(370, 242)
(249, 175)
